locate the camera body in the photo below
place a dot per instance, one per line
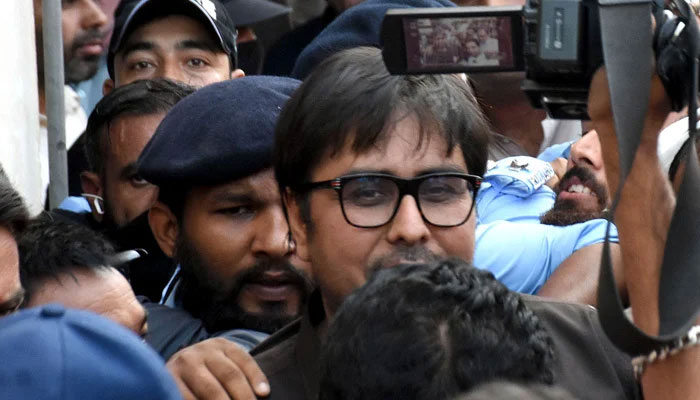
(556, 42)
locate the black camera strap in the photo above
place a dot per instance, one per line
(627, 37)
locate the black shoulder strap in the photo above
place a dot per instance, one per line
(627, 39)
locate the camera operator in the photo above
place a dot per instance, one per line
(646, 192)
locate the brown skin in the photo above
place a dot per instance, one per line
(77, 18)
(11, 292)
(646, 192)
(249, 210)
(175, 47)
(217, 369)
(340, 253)
(231, 226)
(126, 195)
(575, 279)
(102, 291)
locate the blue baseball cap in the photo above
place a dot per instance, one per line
(54, 353)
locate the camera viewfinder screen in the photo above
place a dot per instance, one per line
(452, 43)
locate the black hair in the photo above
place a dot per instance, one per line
(144, 97)
(429, 332)
(513, 391)
(351, 98)
(13, 213)
(49, 248)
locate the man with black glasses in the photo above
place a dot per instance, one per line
(390, 179)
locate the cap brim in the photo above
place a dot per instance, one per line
(248, 12)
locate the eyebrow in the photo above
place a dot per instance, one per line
(129, 169)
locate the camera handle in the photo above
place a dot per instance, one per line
(626, 35)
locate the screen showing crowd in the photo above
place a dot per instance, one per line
(480, 42)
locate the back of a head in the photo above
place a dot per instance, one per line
(429, 332)
(53, 353)
(49, 248)
(513, 391)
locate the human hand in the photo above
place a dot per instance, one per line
(217, 369)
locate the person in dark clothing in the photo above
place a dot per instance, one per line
(430, 332)
(118, 129)
(390, 179)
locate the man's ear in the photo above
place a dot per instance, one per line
(297, 224)
(237, 73)
(107, 86)
(91, 183)
(164, 226)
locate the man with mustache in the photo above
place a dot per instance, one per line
(219, 214)
(392, 178)
(83, 27)
(552, 235)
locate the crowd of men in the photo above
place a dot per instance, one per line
(332, 232)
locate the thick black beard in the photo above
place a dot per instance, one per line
(565, 212)
(216, 303)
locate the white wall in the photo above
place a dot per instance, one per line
(19, 104)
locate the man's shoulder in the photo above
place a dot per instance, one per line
(277, 351)
(586, 362)
(276, 357)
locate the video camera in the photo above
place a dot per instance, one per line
(556, 42)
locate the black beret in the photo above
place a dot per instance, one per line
(356, 27)
(221, 133)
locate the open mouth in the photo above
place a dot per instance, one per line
(575, 186)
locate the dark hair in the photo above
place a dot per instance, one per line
(13, 213)
(143, 97)
(513, 391)
(352, 96)
(48, 248)
(429, 332)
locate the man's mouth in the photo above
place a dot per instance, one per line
(91, 48)
(575, 188)
(273, 286)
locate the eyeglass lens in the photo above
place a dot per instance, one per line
(372, 200)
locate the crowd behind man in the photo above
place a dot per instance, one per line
(347, 236)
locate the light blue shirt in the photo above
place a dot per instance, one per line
(523, 256)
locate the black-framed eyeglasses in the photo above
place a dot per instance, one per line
(444, 199)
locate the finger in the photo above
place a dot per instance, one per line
(256, 378)
(230, 377)
(184, 390)
(200, 381)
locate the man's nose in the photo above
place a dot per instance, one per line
(272, 234)
(586, 151)
(408, 226)
(93, 17)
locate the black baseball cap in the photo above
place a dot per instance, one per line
(132, 14)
